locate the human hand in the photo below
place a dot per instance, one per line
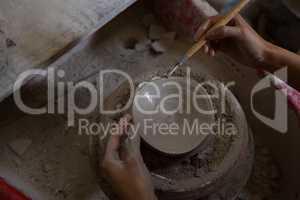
(238, 40)
(124, 166)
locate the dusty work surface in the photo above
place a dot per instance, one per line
(35, 31)
(53, 163)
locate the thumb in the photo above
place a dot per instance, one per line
(113, 145)
(118, 131)
(131, 146)
(223, 32)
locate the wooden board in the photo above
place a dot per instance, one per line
(35, 31)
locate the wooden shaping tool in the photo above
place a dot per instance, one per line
(224, 20)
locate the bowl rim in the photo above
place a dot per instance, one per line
(204, 138)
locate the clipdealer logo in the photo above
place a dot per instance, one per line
(66, 104)
(280, 120)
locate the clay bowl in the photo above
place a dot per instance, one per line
(165, 112)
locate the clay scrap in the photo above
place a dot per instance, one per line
(158, 47)
(160, 37)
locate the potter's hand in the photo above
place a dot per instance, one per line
(238, 40)
(242, 43)
(124, 166)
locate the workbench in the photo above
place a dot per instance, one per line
(36, 32)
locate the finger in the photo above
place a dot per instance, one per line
(212, 52)
(128, 117)
(126, 149)
(125, 123)
(210, 48)
(202, 29)
(206, 49)
(223, 32)
(114, 144)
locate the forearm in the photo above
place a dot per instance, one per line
(278, 58)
